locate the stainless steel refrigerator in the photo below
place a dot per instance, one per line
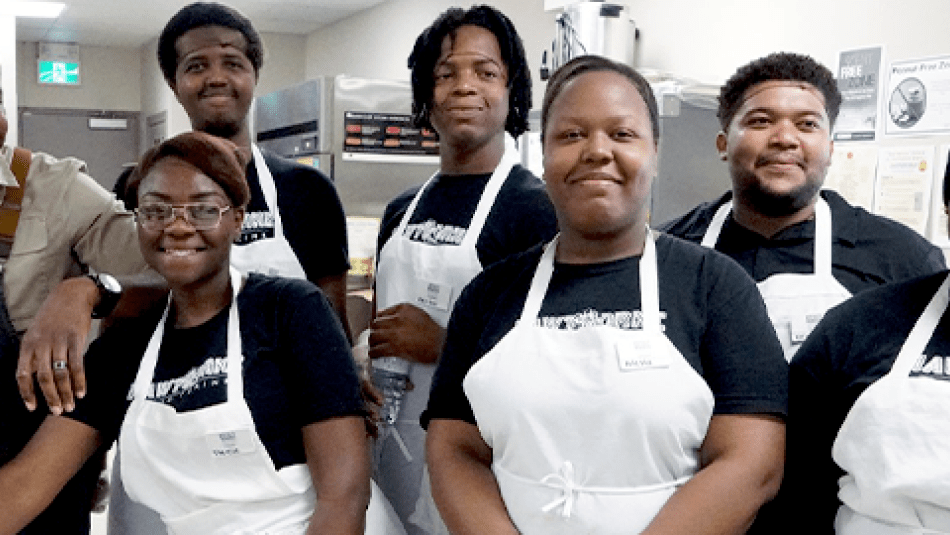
(356, 130)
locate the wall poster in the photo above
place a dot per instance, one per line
(917, 98)
(859, 77)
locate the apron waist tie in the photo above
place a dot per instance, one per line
(563, 480)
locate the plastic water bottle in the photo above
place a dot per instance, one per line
(391, 377)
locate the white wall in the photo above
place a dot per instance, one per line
(158, 97)
(708, 40)
(698, 39)
(110, 80)
(284, 62)
(377, 42)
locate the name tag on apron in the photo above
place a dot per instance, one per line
(803, 324)
(231, 443)
(638, 355)
(434, 294)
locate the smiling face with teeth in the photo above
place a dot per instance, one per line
(187, 258)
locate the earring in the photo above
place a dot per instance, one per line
(722, 156)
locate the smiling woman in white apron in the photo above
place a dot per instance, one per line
(615, 381)
(223, 429)
(868, 427)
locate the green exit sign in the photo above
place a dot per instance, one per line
(59, 72)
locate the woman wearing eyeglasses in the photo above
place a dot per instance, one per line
(242, 412)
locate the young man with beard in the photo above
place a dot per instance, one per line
(211, 57)
(807, 249)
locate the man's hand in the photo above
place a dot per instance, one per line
(58, 335)
(406, 331)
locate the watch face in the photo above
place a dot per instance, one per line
(110, 283)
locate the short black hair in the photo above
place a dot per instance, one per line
(590, 63)
(778, 66)
(201, 14)
(428, 48)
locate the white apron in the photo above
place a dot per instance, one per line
(894, 446)
(591, 430)
(431, 278)
(796, 302)
(270, 256)
(206, 471)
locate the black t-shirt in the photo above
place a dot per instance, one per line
(311, 213)
(854, 345)
(521, 216)
(710, 309)
(297, 366)
(68, 514)
(866, 250)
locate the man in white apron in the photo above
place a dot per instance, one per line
(470, 84)
(867, 427)
(211, 57)
(807, 249)
(273, 241)
(867, 430)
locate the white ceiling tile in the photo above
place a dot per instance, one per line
(131, 23)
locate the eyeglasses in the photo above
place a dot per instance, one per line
(156, 216)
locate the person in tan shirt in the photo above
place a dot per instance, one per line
(65, 219)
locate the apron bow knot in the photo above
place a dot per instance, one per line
(563, 479)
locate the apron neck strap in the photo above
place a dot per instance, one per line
(922, 332)
(822, 253)
(487, 200)
(649, 285)
(234, 352)
(715, 225)
(822, 237)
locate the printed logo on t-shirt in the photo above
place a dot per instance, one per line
(256, 226)
(621, 319)
(433, 233)
(201, 387)
(934, 367)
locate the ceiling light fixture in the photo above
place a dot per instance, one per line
(43, 10)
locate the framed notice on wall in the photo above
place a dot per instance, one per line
(859, 76)
(918, 97)
(387, 137)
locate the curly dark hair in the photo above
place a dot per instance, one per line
(778, 66)
(200, 14)
(428, 48)
(584, 64)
